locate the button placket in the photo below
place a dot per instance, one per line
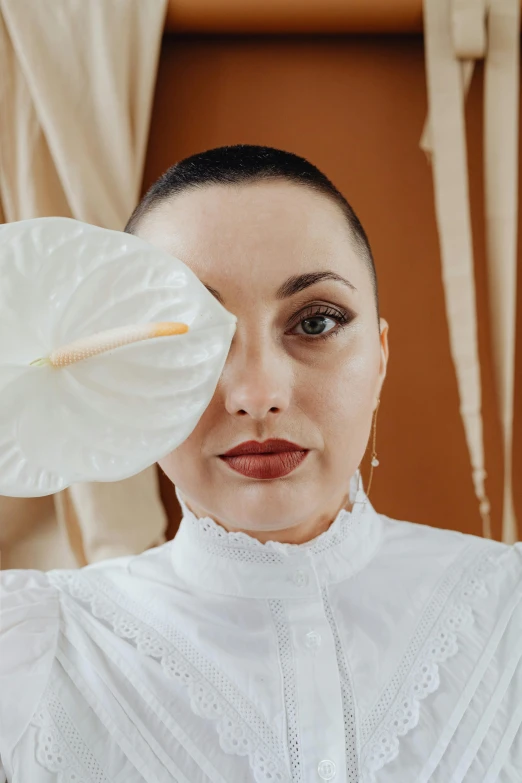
(318, 687)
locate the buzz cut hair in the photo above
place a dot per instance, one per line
(243, 164)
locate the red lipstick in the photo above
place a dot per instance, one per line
(269, 460)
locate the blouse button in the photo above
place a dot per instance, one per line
(300, 578)
(326, 769)
(313, 640)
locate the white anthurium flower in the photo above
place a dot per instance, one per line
(110, 351)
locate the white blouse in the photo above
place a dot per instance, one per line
(380, 651)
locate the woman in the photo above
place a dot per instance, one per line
(289, 632)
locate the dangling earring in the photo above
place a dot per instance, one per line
(360, 487)
(374, 461)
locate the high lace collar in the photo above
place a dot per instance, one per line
(235, 563)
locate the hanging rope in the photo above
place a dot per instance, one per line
(458, 32)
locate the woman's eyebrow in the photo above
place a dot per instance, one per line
(299, 282)
(295, 284)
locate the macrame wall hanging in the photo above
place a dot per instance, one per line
(457, 33)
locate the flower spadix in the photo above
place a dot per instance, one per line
(110, 351)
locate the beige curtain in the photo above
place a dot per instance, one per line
(76, 85)
(457, 32)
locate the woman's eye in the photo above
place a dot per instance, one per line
(321, 324)
(316, 325)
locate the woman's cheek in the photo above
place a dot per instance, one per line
(182, 464)
(355, 381)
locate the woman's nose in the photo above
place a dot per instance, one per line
(256, 380)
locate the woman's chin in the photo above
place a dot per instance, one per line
(257, 511)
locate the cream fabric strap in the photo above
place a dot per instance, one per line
(456, 32)
(76, 88)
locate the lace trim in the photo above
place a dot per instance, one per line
(434, 643)
(59, 746)
(241, 729)
(240, 546)
(350, 730)
(273, 551)
(289, 686)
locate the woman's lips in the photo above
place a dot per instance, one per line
(266, 466)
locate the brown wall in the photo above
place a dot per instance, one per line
(355, 106)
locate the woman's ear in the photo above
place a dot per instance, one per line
(383, 364)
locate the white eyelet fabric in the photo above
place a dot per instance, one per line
(239, 546)
(437, 638)
(60, 747)
(242, 730)
(286, 655)
(350, 727)
(382, 651)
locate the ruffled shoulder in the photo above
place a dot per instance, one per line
(29, 626)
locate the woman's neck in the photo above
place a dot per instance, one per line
(298, 534)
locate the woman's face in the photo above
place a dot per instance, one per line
(313, 382)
